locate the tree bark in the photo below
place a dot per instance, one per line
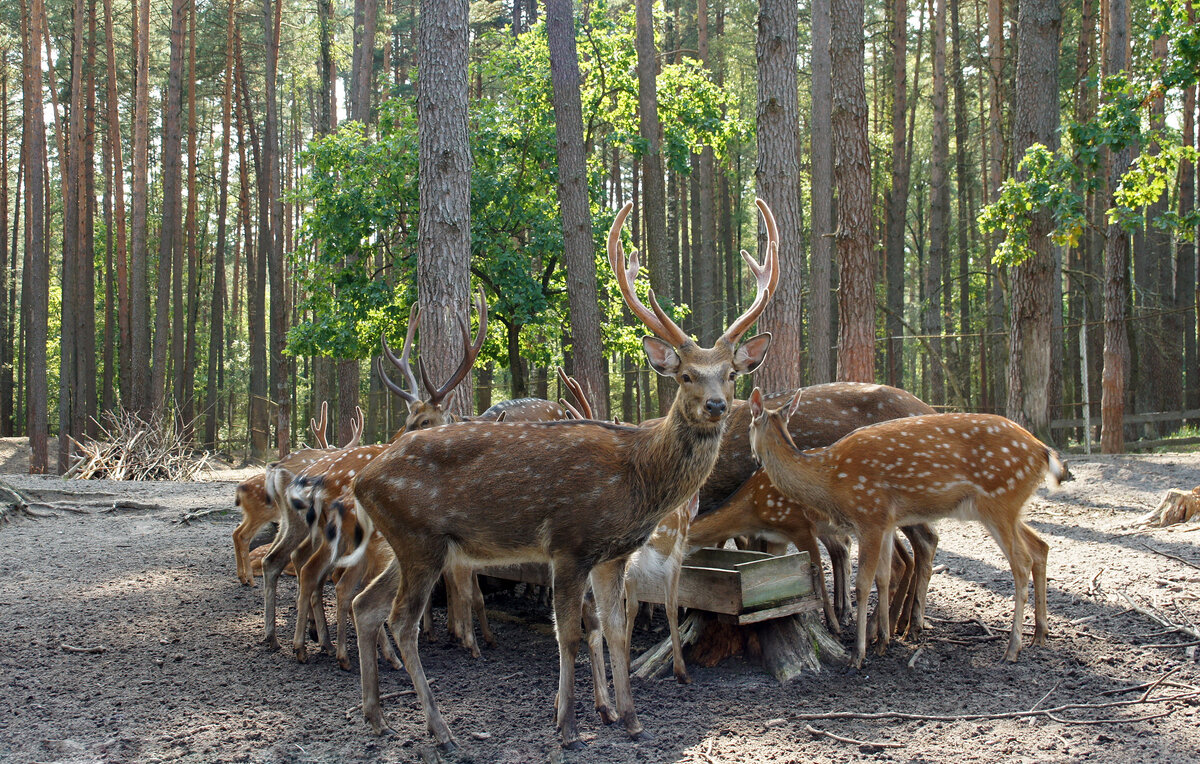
(170, 245)
(777, 176)
(965, 184)
(1039, 24)
(852, 177)
(188, 372)
(124, 310)
(6, 317)
(1116, 259)
(444, 226)
(897, 201)
(939, 211)
(140, 399)
(1185, 284)
(658, 255)
(578, 248)
(35, 307)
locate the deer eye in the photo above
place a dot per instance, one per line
(732, 375)
(686, 377)
(425, 423)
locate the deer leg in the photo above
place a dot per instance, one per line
(631, 608)
(384, 642)
(346, 586)
(607, 584)
(459, 582)
(869, 542)
(286, 541)
(904, 579)
(1009, 537)
(309, 602)
(679, 667)
(883, 588)
(924, 540)
(371, 608)
(569, 583)
(595, 640)
(806, 542)
(1039, 550)
(242, 535)
(423, 565)
(839, 562)
(480, 606)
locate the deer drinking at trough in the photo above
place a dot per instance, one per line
(973, 466)
(579, 495)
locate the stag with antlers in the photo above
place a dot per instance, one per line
(579, 495)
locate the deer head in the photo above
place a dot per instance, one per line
(434, 410)
(705, 375)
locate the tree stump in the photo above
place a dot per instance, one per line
(1176, 507)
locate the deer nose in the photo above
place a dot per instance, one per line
(715, 406)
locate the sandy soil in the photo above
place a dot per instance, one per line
(183, 677)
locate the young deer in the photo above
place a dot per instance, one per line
(975, 466)
(257, 508)
(826, 413)
(582, 496)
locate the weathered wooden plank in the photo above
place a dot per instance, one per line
(794, 607)
(774, 579)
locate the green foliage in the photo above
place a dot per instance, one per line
(361, 194)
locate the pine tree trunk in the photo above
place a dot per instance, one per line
(140, 399)
(939, 211)
(170, 245)
(215, 387)
(777, 176)
(188, 372)
(658, 255)
(36, 303)
(964, 183)
(6, 318)
(578, 248)
(897, 201)
(1039, 25)
(1116, 260)
(444, 226)
(852, 177)
(1185, 284)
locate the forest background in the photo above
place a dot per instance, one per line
(211, 211)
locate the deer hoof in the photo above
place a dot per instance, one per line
(641, 736)
(575, 745)
(607, 714)
(683, 678)
(344, 663)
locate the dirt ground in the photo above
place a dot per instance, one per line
(183, 677)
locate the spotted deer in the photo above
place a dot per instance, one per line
(579, 495)
(258, 509)
(974, 466)
(825, 414)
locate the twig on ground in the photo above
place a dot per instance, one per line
(20, 505)
(1158, 617)
(1189, 563)
(62, 505)
(905, 716)
(390, 696)
(1048, 694)
(96, 650)
(860, 743)
(196, 514)
(913, 660)
(1094, 585)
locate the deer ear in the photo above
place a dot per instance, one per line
(751, 353)
(794, 404)
(756, 403)
(448, 401)
(662, 356)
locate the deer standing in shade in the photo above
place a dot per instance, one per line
(579, 495)
(974, 466)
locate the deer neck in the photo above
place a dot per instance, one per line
(802, 476)
(677, 457)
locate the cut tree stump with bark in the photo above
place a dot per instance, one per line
(1176, 507)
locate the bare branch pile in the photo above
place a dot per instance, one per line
(132, 448)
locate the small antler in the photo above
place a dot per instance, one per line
(472, 352)
(413, 394)
(655, 319)
(572, 384)
(766, 274)
(356, 428)
(319, 427)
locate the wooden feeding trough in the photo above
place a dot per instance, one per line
(739, 588)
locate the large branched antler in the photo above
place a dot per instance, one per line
(472, 352)
(413, 394)
(766, 275)
(655, 319)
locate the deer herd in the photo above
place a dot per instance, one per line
(608, 507)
